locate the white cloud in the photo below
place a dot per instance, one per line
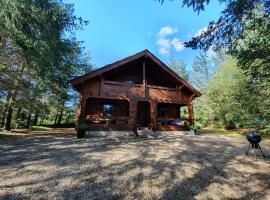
(177, 44)
(163, 51)
(167, 30)
(200, 31)
(165, 40)
(163, 43)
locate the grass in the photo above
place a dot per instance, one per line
(40, 128)
(221, 131)
(231, 133)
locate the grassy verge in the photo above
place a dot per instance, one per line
(233, 133)
(220, 131)
(40, 128)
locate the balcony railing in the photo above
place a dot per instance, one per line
(124, 90)
(167, 119)
(98, 119)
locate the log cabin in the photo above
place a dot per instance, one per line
(135, 92)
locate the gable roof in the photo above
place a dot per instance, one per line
(126, 60)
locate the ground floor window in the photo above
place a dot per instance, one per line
(108, 109)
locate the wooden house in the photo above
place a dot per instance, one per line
(138, 91)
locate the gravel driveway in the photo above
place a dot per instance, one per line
(57, 165)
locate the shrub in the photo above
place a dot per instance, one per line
(265, 132)
(82, 127)
(193, 127)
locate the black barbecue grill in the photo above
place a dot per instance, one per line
(254, 142)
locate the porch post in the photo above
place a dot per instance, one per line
(153, 115)
(133, 115)
(81, 110)
(190, 112)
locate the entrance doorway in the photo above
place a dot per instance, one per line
(143, 113)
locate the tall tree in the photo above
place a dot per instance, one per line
(179, 67)
(202, 70)
(40, 32)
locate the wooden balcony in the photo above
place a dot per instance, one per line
(121, 90)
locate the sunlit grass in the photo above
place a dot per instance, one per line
(40, 128)
(221, 131)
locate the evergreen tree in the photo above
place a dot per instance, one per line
(179, 67)
(38, 37)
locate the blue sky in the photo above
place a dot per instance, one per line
(121, 28)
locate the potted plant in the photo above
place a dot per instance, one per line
(81, 130)
(194, 129)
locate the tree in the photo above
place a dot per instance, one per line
(179, 67)
(204, 67)
(37, 35)
(226, 100)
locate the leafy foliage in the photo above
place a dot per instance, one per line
(38, 56)
(227, 101)
(242, 31)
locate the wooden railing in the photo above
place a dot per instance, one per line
(166, 119)
(132, 90)
(99, 117)
(161, 87)
(108, 119)
(122, 84)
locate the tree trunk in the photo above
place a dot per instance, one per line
(13, 98)
(67, 120)
(5, 111)
(42, 119)
(60, 118)
(18, 112)
(10, 109)
(28, 120)
(36, 118)
(55, 120)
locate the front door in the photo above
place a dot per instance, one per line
(143, 113)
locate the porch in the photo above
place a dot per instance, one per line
(106, 114)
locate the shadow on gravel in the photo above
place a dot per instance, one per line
(183, 167)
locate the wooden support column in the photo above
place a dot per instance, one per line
(190, 113)
(133, 116)
(190, 110)
(146, 90)
(153, 115)
(144, 80)
(81, 110)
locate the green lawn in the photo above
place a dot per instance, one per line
(40, 128)
(220, 131)
(234, 133)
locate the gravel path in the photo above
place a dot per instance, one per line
(57, 165)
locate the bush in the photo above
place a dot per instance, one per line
(193, 127)
(265, 132)
(82, 127)
(230, 125)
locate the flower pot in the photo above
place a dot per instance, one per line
(81, 133)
